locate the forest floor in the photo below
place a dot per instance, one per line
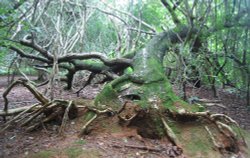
(45, 142)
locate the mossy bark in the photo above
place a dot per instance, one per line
(148, 88)
(147, 85)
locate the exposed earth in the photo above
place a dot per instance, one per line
(115, 142)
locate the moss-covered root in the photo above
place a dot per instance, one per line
(229, 139)
(94, 113)
(169, 132)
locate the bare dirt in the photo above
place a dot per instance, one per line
(45, 142)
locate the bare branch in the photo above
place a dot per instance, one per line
(29, 86)
(26, 41)
(142, 31)
(23, 54)
(108, 13)
(131, 16)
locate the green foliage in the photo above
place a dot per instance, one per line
(128, 70)
(151, 12)
(100, 34)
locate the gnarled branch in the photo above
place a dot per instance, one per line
(29, 42)
(97, 55)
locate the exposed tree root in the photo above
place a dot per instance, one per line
(12, 112)
(46, 110)
(7, 124)
(65, 118)
(212, 138)
(84, 128)
(96, 114)
(222, 122)
(169, 132)
(54, 110)
(129, 114)
(206, 102)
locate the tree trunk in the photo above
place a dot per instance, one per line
(149, 93)
(147, 82)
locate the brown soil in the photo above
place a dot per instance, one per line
(117, 142)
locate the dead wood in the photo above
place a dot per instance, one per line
(50, 109)
(11, 112)
(29, 86)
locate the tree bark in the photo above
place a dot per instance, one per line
(148, 91)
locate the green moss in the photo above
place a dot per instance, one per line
(108, 91)
(73, 152)
(195, 140)
(80, 142)
(88, 116)
(246, 134)
(108, 96)
(123, 86)
(147, 69)
(43, 154)
(91, 62)
(174, 127)
(198, 145)
(143, 103)
(147, 81)
(158, 92)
